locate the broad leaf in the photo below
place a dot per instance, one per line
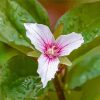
(19, 78)
(91, 90)
(65, 61)
(85, 68)
(84, 1)
(18, 16)
(10, 36)
(85, 20)
(36, 10)
(6, 53)
(84, 49)
(58, 31)
(13, 15)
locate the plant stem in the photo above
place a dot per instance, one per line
(59, 89)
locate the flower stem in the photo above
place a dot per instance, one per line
(58, 88)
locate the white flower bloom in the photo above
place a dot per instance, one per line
(51, 49)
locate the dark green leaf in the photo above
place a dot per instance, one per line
(36, 10)
(18, 16)
(13, 15)
(84, 19)
(10, 36)
(58, 31)
(84, 49)
(91, 90)
(85, 68)
(19, 78)
(6, 53)
(84, 1)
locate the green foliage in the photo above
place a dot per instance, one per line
(12, 18)
(85, 68)
(18, 73)
(36, 10)
(84, 49)
(10, 36)
(84, 1)
(19, 78)
(18, 16)
(84, 19)
(91, 90)
(6, 53)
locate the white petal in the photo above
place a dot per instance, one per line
(67, 43)
(39, 35)
(47, 69)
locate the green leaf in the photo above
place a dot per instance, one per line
(65, 61)
(19, 78)
(36, 10)
(84, 49)
(13, 15)
(84, 1)
(6, 53)
(58, 31)
(81, 20)
(10, 36)
(34, 53)
(84, 19)
(85, 68)
(71, 95)
(18, 16)
(91, 90)
(2, 4)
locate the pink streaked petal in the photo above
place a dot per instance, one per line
(70, 42)
(47, 68)
(39, 35)
(38, 45)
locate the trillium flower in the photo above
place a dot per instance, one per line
(51, 49)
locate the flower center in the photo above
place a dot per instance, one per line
(52, 51)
